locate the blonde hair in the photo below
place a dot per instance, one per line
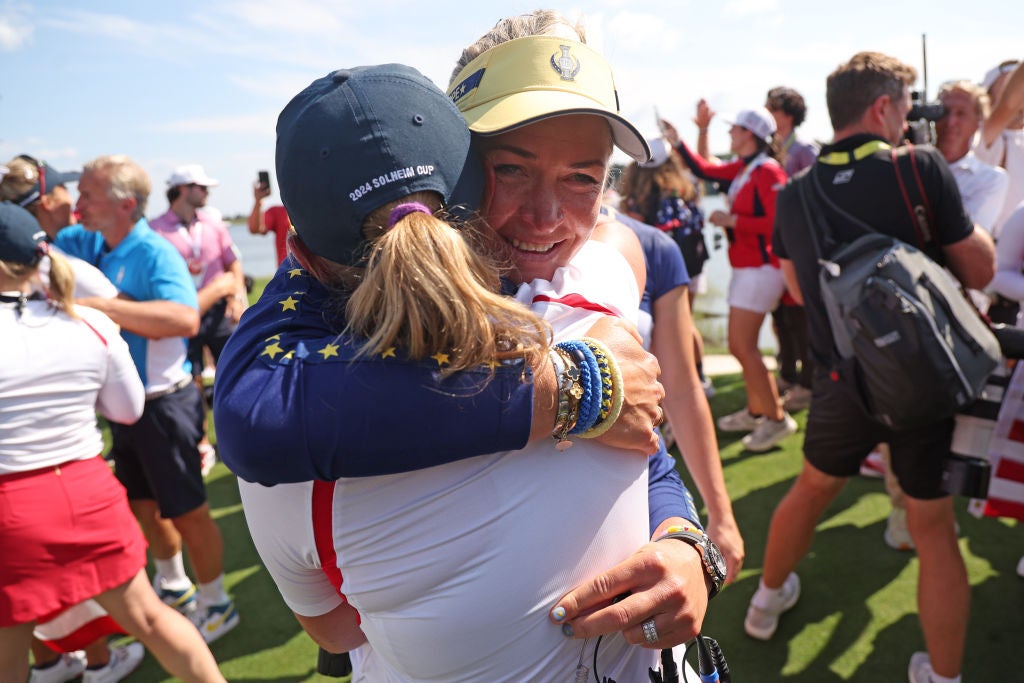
(637, 185)
(428, 288)
(540, 22)
(127, 180)
(982, 104)
(61, 292)
(21, 177)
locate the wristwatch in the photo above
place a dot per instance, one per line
(710, 555)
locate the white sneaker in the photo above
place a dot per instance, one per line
(920, 669)
(896, 535)
(766, 606)
(66, 668)
(181, 599)
(214, 621)
(797, 398)
(123, 660)
(740, 421)
(873, 466)
(208, 455)
(768, 433)
(1020, 568)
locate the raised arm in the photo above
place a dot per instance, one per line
(1010, 103)
(256, 224)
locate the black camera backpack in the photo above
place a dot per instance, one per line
(910, 345)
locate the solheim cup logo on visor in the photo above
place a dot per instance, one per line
(565, 65)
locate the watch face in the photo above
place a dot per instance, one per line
(715, 558)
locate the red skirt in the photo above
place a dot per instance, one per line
(66, 535)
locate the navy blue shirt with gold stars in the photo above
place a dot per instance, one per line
(293, 402)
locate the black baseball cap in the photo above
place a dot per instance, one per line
(21, 238)
(360, 138)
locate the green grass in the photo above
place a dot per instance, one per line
(856, 619)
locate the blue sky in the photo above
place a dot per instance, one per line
(203, 82)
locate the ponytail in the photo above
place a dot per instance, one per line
(426, 291)
(62, 280)
(62, 283)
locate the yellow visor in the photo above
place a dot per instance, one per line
(526, 80)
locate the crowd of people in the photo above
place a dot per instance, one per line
(461, 258)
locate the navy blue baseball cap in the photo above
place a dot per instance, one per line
(21, 238)
(360, 138)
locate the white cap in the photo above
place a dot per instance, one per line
(189, 175)
(995, 72)
(758, 121)
(659, 153)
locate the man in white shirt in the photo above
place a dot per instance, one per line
(982, 186)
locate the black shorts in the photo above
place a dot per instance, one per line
(839, 436)
(157, 458)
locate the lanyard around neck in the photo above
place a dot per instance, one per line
(861, 152)
(193, 235)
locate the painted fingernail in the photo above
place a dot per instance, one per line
(558, 613)
(567, 631)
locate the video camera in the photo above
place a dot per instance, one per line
(922, 117)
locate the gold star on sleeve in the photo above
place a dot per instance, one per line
(288, 356)
(492, 363)
(294, 272)
(272, 350)
(388, 352)
(328, 351)
(288, 304)
(276, 337)
(441, 358)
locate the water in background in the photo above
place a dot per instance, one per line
(259, 258)
(711, 309)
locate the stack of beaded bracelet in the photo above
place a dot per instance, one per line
(590, 396)
(612, 396)
(590, 379)
(570, 392)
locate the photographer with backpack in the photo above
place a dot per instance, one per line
(862, 175)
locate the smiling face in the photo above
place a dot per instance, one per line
(548, 179)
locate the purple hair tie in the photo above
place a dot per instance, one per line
(403, 210)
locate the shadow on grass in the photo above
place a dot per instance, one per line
(857, 616)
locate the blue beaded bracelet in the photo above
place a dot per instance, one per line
(590, 381)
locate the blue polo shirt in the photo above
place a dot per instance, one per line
(146, 267)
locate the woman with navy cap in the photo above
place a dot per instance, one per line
(60, 506)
